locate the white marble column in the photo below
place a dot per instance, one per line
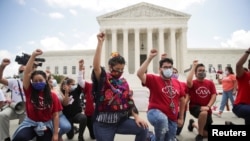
(149, 47)
(137, 49)
(161, 42)
(114, 40)
(125, 49)
(172, 47)
(183, 49)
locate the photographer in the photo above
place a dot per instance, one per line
(8, 113)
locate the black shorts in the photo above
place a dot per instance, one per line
(195, 111)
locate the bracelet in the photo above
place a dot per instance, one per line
(247, 52)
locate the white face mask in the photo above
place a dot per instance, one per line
(167, 73)
(226, 72)
(20, 75)
(54, 83)
(72, 88)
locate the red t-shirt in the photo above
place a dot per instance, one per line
(89, 109)
(243, 95)
(161, 93)
(201, 92)
(41, 114)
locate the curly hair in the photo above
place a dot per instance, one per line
(65, 81)
(115, 59)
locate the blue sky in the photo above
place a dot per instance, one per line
(71, 24)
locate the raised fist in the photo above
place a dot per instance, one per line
(38, 52)
(5, 62)
(101, 36)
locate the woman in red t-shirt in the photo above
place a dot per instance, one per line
(42, 106)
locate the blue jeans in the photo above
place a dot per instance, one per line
(107, 131)
(165, 129)
(242, 111)
(64, 125)
(225, 96)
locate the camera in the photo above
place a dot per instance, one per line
(22, 60)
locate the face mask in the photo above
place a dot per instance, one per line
(38, 85)
(54, 83)
(167, 73)
(73, 87)
(201, 75)
(20, 75)
(175, 76)
(226, 73)
(116, 74)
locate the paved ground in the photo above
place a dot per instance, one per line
(185, 134)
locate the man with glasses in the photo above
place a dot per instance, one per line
(201, 96)
(17, 95)
(166, 96)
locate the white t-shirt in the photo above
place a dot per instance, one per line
(15, 92)
(2, 97)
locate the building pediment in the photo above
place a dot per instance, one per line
(142, 10)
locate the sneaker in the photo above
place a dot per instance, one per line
(80, 138)
(190, 125)
(199, 138)
(217, 115)
(229, 123)
(7, 139)
(70, 134)
(76, 129)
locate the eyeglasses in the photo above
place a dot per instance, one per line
(201, 71)
(118, 71)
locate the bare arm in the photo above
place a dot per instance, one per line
(212, 100)
(29, 68)
(81, 73)
(141, 71)
(97, 56)
(239, 65)
(182, 107)
(55, 125)
(4, 63)
(191, 74)
(219, 80)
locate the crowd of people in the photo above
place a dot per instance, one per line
(106, 105)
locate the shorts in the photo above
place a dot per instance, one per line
(195, 111)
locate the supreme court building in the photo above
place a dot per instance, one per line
(133, 31)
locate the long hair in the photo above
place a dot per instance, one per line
(35, 93)
(65, 81)
(230, 70)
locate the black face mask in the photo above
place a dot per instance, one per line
(201, 75)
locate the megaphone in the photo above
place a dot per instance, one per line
(19, 107)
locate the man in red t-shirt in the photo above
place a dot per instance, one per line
(166, 96)
(241, 106)
(201, 95)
